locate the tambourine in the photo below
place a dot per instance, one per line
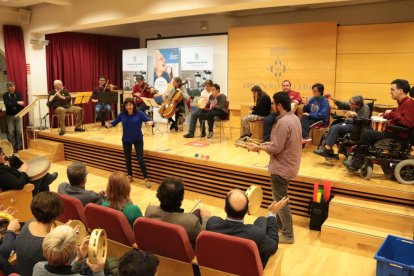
(38, 167)
(202, 103)
(246, 143)
(378, 123)
(6, 216)
(98, 246)
(255, 195)
(7, 148)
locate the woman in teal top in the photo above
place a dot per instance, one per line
(118, 191)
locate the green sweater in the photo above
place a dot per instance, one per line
(131, 211)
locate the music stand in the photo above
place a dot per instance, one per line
(107, 98)
(82, 98)
(151, 103)
(23, 112)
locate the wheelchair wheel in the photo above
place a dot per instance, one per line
(322, 140)
(366, 171)
(404, 171)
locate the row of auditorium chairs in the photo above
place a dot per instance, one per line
(217, 254)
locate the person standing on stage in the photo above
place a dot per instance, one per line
(285, 151)
(14, 104)
(101, 108)
(61, 101)
(142, 89)
(269, 120)
(132, 119)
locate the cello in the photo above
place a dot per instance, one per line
(168, 107)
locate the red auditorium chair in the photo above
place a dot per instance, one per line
(169, 242)
(72, 210)
(114, 222)
(219, 254)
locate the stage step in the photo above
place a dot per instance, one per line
(56, 149)
(388, 216)
(28, 154)
(356, 235)
(363, 224)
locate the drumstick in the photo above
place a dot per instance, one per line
(196, 205)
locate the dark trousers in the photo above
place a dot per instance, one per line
(370, 137)
(139, 151)
(180, 109)
(306, 123)
(142, 107)
(336, 131)
(209, 116)
(193, 122)
(268, 122)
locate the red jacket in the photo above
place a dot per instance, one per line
(295, 96)
(403, 115)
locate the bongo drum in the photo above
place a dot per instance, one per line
(38, 167)
(255, 195)
(378, 123)
(98, 245)
(201, 103)
(7, 148)
(82, 230)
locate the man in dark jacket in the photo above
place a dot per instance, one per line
(263, 232)
(14, 104)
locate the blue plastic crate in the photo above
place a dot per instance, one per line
(395, 257)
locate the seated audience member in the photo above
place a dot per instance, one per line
(137, 262)
(216, 107)
(7, 240)
(77, 176)
(171, 195)
(315, 110)
(13, 175)
(403, 116)
(271, 118)
(260, 110)
(264, 230)
(142, 89)
(46, 208)
(61, 101)
(118, 197)
(59, 247)
(204, 96)
(357, 110)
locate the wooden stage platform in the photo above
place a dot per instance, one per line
(227, 167)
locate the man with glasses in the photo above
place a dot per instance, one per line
(77, 175)
(357, 110)
(13, 175)
(101, 108)
(142, 89)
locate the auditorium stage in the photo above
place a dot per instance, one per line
(169, 154)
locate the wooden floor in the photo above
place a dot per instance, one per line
(308, 256)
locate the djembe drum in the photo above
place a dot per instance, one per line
(378, 123)
(37, 167)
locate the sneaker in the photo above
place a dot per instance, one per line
(78, 129)
(284, 239)
(210, 135)
(62, 132)
(189, 135)
(147, 183)
(306, 140)
(324, 152)
(130, 178)
(203, 134)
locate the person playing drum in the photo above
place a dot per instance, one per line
(13, 175)
(260, 110)
(201, 104)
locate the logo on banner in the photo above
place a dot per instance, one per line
(278, 68)
(196, 56)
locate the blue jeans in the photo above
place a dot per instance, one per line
(101, 110)
(335, 131)
(306, 122)
(194, 117)
(14, 135)
(139, 151)
(280, 189)
(268, 122)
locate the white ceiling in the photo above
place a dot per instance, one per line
(28, 3)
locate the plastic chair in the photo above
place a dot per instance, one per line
(113, 221)
(72, 209)
(169, 242)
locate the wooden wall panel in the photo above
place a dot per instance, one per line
(267, 55)
(371, 56)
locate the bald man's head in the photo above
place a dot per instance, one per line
(236, 204)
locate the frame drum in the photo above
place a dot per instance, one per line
(38, 167)
(201, 103)
(378, 123)
(82, 230)
(98, 246)
(255, 195)
(7, 147)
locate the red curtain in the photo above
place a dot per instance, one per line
(79, 59)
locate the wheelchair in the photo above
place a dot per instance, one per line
(393, 155)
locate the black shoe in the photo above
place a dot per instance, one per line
(245, 135)
(78, 129)
(176, 128)
(51, 177)
(62, 132)
(103, 123)
(203, 134)
(324, 152)
(210, 135)
(189, 135)
(172, 126)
